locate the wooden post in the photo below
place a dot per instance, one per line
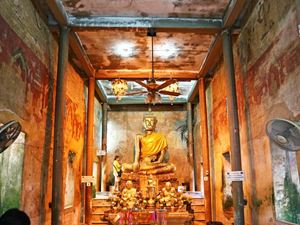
(104, 147)
(191, 146)
(233, 120)
(58, 153)
(89, 149)
(205, 149)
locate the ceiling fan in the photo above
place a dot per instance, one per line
(154, 89)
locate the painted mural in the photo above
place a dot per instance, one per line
(24, 95)
(11, 171)
(286, 184)
(268, 87)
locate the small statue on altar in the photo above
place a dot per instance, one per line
(151, 191)
(150, 151)
(129, 195)
(168, 195)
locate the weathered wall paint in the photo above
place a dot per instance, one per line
(74, 141)
(28, 62)
(11, 171)
(24, 79)
(268, 88)
(123, 126)
(267, 78)
(220, 142)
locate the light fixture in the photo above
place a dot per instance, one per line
(124, 49)
(153, 98)
(172, 88)
(166, 50)
(119, 88)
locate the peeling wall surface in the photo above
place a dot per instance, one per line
(270, 88)
(267, 78)
(123, 127)
(11, 171)
(28, 59)
(144, 8)
(220, 142)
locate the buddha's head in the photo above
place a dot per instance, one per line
(129, 184)
(149, 123)
(168, 185)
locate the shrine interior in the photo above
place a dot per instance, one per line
(150, 112)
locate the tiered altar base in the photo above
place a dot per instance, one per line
(140, 181)
(148, 218)
(101, 215)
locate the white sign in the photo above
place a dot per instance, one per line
(88, 180)
(235, 176)
(101, 152)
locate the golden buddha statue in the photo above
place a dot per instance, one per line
(129, 195)
(150, 151)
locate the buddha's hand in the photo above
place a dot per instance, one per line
(135, 166)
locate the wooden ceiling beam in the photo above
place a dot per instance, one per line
(80, 54)
(144, 107)
(212, 58)
(57, 9)
(215, 51)
(61, 17)
(198, 25)
(145, 74)
(194, 92)
(233, 12)
(136, 100)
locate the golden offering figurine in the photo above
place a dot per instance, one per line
(129, 195)
(151, 192)
(168, 195)
(150, 151)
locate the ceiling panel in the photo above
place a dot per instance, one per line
(172, 51)
(147, 8)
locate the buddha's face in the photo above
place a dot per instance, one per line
(149, 123)
(129, 184)
(168, 185)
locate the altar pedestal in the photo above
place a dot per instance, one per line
(140, 181)
(150, 217)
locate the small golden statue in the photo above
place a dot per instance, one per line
(151, 192)
(150, 151)
(168, 195)
(129, 195)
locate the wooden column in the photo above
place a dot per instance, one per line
(205, 149)
(233, 120)
(104, 147)
(89, 148)
(191, 145)
(58, 152)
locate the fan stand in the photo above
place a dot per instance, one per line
(8, 134)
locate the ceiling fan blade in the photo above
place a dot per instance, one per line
(166, 84)
(169, 93)
(142, 84)
(136, 93)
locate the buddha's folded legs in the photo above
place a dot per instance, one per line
(147, 168)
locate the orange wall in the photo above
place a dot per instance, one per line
(28, 64)
(267, 59)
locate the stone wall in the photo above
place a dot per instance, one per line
(123, 126)
(28, 64)
(267, 78)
